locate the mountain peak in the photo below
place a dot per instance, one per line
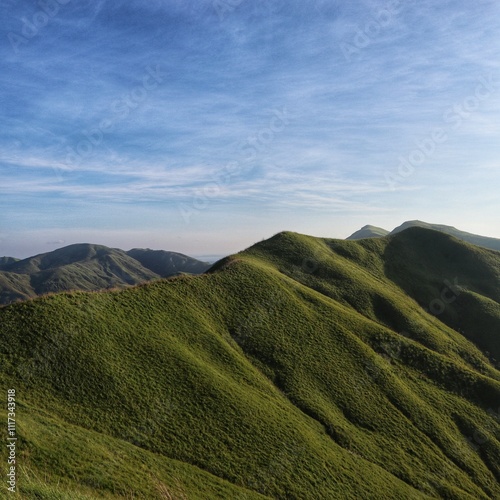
(87, 266)
(369, 231)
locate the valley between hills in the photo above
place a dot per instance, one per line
(301, 367)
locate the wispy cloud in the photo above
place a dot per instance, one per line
(220, 79)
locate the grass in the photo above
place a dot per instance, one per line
(58, 460)
(299, 368)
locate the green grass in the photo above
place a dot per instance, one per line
(299, 368)
(482, 241)
(58, 460)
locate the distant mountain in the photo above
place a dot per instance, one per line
(5, 261)
(377, 232)
(482, 241)
(88, 267)
(368, 232)
(167, 263)
(300, 368)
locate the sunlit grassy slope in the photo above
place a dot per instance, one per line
(299, 368)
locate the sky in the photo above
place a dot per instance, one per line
(204, 126)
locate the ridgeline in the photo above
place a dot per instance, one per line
(299, 368)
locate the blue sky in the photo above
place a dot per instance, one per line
(205, 126)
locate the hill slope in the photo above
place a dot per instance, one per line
(88, 267)
(6, 261)
(299, 368)
(368, 231)
(376, 232)
(482, 241)
(166, 264)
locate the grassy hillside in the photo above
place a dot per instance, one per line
(299, 368)
(377, 232)
(88, 267)
(482, 241)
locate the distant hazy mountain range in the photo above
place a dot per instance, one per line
(88, 267)
(377, 232)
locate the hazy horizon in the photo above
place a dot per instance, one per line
(204, 126)
(198, 252)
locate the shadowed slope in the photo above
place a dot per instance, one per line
(377, 232)
(167, 263)
(457, 282)
(482, 241)
(6, 261)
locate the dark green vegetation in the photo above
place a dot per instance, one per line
(376, 232)
(6, 261)
(300, 368)
(482, 241)
(88, 267)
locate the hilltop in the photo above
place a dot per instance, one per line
(368, 231)
(88, 267)
(376, 232)
(299, 368)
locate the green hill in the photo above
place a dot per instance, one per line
(166, 264)
(482, 241)
(88, 267)
(377, 232)
(368, 231)
(299, 368)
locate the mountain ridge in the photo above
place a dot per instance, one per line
(369, 231)
(5, 261)
(91, 267)
(300, 367)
